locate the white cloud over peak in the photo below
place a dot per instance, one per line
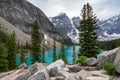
(104, 9)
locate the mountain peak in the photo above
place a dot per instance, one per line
(62, 13)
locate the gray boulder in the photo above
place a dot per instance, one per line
(4, 74)
(98, 75)
(53, 72)
(37, 67)
(40, 75)
(54, 68)
(24, 75)
(22, 66)
(74, 68)
(91, 61)
(117, 61)
(59, 78)
(82, 75)
(20, 74)
(107, 56)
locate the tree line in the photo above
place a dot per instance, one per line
(7, 51)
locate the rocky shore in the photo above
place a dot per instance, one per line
(58, 70)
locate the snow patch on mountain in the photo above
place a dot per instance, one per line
(74, 34)
(108, 37)
(45, 38)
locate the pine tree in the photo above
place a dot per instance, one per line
(35, 43)
(62, 52)
(54, 50)
(88, 36)
(22, 51)
(11, 44)
(43, 55)
(3, 59)
(74, 55)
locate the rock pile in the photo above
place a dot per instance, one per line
(61, 71)
(55, 71)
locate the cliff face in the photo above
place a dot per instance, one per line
(8, 28)
(65, 27)
(22, 14)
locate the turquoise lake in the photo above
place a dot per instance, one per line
(49, 58)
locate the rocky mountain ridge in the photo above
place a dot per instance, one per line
(22, 14)
(65, 26)
(8, 28)
(108, 29)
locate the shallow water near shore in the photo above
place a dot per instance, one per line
(49, 56)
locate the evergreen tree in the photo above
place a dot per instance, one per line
(62, 52)
(54, 50)
(22, 51)
(11, 44)
(35, 43)
(74, 55)
(3, 59)
(43, 55)
(88, 37)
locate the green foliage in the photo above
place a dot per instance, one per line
(109, 45)
(62, 52)
(11, 46)
(3, 59)
(22, 51)
(3, 37)
(110, 68)
(74, 55)
(54, 50)
(43, 55)
(88, 37)
(35, 43)
(81, 60)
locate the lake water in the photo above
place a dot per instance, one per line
(49, 56)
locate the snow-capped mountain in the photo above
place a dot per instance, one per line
(65, 27)
(109, 29)
(76, 21)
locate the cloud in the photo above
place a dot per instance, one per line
(104, 9)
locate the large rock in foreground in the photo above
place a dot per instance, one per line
(117, 61)
(37, 67)
(20, 74)
(91, 61)
(22, 66)
(40, 75)
(107, 56)
(55, 71)
(54, 68)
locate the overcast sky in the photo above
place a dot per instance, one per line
(104, 9)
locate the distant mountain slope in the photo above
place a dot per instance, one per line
(108, 29)
(65, 27)
(22, 14)
(8, 28)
